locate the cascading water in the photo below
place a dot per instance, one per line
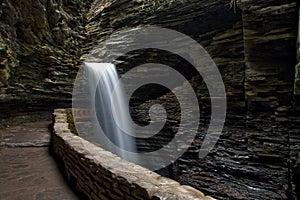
(107, 105)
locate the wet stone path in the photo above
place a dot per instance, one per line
(27, 170)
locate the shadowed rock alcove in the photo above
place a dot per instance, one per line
(43, 45)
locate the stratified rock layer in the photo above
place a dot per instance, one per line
(257, 156)
(270, 30)
(40, 50)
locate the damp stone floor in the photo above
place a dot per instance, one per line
(27, 170)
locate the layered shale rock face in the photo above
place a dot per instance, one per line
(254, 49)
(270, 30)
(40, 49)
(257, 156)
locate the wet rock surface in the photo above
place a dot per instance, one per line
(27, 171)
(40, 50)
(100, 174)
(257, 156)
(254, 49)
(273, 110)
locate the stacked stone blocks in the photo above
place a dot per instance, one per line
(99, 174)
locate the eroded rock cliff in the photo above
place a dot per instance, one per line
(257, 156)
(40, 50)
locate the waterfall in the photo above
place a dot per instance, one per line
(111, 110)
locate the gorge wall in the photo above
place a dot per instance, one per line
(40, 50)
(254, 47)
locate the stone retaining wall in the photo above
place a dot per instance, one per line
(99, 174)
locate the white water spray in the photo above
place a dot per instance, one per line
(109, 109)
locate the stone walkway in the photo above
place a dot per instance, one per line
(27, 171)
